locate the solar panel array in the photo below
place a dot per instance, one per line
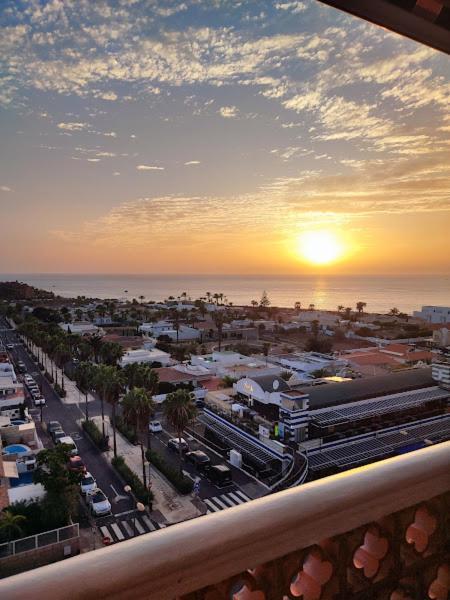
(378, 406)
(360, 452)
(237, 441)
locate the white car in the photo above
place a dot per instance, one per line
(155, 426)
(87, 484)
(69, 441)
(39, 400)
(98, 503)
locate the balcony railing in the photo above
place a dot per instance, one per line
(380, 532)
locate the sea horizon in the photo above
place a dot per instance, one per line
(407, 292)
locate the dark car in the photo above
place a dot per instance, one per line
(76, 464)
(199, 459)
(57, 434)
(53, 426)
(175, 443)
(21, 368)
(220, 475)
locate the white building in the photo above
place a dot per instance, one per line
(234, 364)
(308, 362)
(434, 314)
(83, 328)
(441, 337)
(146, 357)
(440, 371)
(167, 328)
(265, 389)
(12, 395)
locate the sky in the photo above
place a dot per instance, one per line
(143, 136)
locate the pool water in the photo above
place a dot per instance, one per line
(23, 479)
(16, 449)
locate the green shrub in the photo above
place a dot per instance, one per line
(126, 430)
(130, 477)
(183, 484)
(60, 390)
(95, 434)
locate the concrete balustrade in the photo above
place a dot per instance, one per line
(382, 527)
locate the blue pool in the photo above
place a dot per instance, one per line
(23, 479)
(16, 449)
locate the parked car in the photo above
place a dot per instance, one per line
(28, 379)
(175, 443)
(98, 503)
(58, 434)
(53, 426)
(220, 475)
(10, 346)
(69, 442)
(87, 484)
(21, 368)
(199, 403)
(199, 459)
(76, 464)
(38, 400)
(155, 426)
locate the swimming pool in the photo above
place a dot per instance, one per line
(16, 449)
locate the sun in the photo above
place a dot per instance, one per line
(319, 247)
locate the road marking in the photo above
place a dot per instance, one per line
(211, 505)
(242, 495)
(125, 512)
(139, 527)
(117, 531)
(148, 523)
(127, 528)
(236, 498)
(227, 500)
(105, 532)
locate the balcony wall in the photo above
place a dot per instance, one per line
(380, 532)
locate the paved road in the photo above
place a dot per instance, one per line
(68, 415)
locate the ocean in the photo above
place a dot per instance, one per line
(380, 292)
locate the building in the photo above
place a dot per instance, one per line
(12, 395)
(441, 337)
(146, 357)
(167, 328)
(83, 328)
(234, 364)
(440, 370)
(434, 314)
(309, 362)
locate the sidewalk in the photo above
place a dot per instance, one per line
(167, 501)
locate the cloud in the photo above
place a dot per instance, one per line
(5, 188)
(149, 168)
(116, 173)
(73, 126)
(294, 7)
(93, 160)
(228, 112)
(192, 162)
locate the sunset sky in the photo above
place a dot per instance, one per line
(213, 136)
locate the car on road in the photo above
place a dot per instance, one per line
(38, 400)
(68, 440)
(10, 346)
(76, 464)
(220, 475)
(199, 459)
(28, 379)
(175, 443)
(58, 434)
(155, 426)
(53, 426)
(87, 484)
(98, 503)
(21, 368)
(199, 403)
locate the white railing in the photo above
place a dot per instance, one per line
(280, 532)
(32, 542)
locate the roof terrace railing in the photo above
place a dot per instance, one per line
(380, 531)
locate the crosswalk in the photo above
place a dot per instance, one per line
(227, 500)
(124, 529)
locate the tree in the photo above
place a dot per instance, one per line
(60, 484)
(254, 303)
(180, 411)
(348, 313)
(110, 384)
(394, 311)
(264, 302)
(317, 344)
(340, 308)
(298, 306)
(360, 306)
(311, 307)
(10, 525)
(266, 348)
(84, 376)
(111, 352)
(142, 298)
(218, 319)
(315, 328)
(137, 408)
(286, 375)
(95, 342)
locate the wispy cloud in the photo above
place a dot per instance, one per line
(73, 126)
(5, 188)
(149, 168)
(192, 162)
(228, 112)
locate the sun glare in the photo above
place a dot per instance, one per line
(320, 247)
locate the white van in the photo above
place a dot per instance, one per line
(69, 441)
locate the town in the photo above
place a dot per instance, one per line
(120, 418)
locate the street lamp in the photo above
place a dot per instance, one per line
(139, 507)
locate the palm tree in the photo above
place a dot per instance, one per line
(180, 411)
(137, 408)
(84, 377)
(10, 524)
(111, 383)
(95, 342)
(360, 306)
(142, 298)
(218, 322)
(340, 308)
(111, 352)
(311, 306)
(394, 311)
